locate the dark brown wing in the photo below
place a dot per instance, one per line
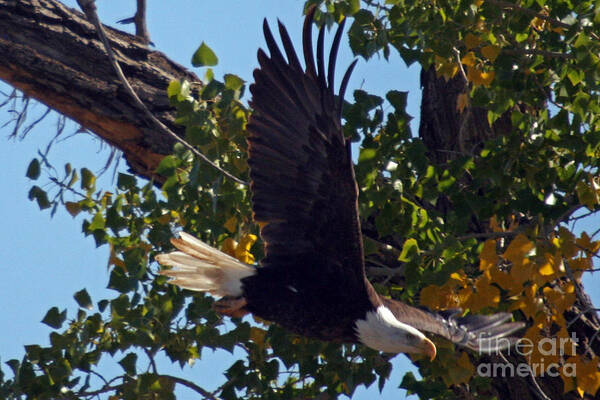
(302, 180)
(484, 333)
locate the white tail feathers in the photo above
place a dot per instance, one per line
(197, 266)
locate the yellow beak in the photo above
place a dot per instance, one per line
(427, 347)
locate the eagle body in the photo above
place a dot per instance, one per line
(312, 279)
(307, 304)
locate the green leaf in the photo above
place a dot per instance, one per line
(88, 179)
(409, 250)
(397, 99)
(33, 170)
(98, 222)
(126, 181)
(36, 193)
(128, 363)
(575, 76)
(367, 154)
(55, 318)
(211, 90)
(204, 56)
(174, 88)
(233, 82)
(168, 165)
(83, 299)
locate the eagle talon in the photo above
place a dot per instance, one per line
(231, 306)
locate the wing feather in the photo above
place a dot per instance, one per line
(483, 333)
(302, 179)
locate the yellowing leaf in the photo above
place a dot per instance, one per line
(518, 249)
(584, 242)
(478, 3)
(459, 277)
(430, 297)
(546, 269)
(469, 59)
(581, 263)
(588, 376)
(479, 77)
(164, 219)
(529, 303)
(549, 269)
(494, 224)
(242, 251)
(488, 257)
(247, 241)
(538, 24)
(231, 224)
(257, 335)
(504, 280)
(439, 297)
(471, 41)
(462, 101)
(73, 208)
(228, 246)
(445, 67)
(486, 295)
(522, 272)
(490, 52)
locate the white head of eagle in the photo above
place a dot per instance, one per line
(304, 196)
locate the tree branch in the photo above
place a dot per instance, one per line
(51, 53)
(141, 30)
(89, 8)
(191, 385)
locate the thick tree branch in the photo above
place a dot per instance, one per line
(51, 53)
(89, 8)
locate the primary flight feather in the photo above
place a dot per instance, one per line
(304, 195)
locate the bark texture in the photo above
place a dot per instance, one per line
(52, 54)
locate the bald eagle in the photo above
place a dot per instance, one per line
(312, 279)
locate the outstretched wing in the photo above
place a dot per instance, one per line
(304, 193)
(483, 333)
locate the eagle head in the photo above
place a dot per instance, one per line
(380, 330)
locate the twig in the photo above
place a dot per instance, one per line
(151, 358)
(191, 385)
(377, 5)
(141, 30)
(591, 342)
(89, 8)
(490, 235)
(566, 216)
(103, 389)
(535, 52)
(460, 66)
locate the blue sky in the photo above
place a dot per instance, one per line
(45, 260)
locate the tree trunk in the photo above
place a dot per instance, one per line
(52, 54)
